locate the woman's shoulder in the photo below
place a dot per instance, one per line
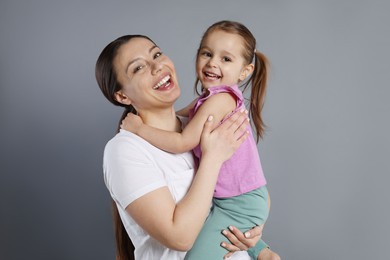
(128, 144)
(123, 137)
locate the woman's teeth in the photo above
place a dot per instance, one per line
(162, 82)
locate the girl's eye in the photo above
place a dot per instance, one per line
(206, 54)
(226, 59)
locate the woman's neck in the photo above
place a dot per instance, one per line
(161, 119)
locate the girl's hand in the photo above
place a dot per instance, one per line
(223, 141)
(239, 241)
(132, 123)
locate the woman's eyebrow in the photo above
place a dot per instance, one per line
(136, 59)
(153, 47)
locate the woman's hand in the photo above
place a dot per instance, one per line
(132, 123)
(223, 141)
(239, 241)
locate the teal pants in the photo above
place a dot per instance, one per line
(244, 212)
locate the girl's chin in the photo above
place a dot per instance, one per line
(208, 83)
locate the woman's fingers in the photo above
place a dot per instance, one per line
(239, 241)
(240, 124)
(254, 232)
(236, 126)
(207, 127)
(237, 122)
(236, 238)
(230, 247)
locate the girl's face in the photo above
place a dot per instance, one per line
(147, 76)
(220, 60)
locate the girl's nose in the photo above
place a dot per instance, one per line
(212, 62)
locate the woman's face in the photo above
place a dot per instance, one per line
(147, 76)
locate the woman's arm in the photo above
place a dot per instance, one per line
(221, 105)
(177, 225)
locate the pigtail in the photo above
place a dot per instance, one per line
(259, 85)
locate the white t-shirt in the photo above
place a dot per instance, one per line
(133, 167)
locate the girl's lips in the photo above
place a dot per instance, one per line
(211, 76)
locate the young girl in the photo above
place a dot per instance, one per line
(224, 59)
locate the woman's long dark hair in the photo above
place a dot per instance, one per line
(107, 80)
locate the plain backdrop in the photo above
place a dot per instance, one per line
(326, 150)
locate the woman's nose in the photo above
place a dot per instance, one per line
(156, 67)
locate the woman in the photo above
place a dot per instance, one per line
(161, 203)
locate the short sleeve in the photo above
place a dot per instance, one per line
(129, 171)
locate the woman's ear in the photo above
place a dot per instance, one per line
(122, 98)
(246, 71)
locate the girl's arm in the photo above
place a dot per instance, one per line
(221, 104)
(186, 110)
(177, 225)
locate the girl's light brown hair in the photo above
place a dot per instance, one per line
(258, 79)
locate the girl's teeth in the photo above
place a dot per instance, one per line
(212, 75)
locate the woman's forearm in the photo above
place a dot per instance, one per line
(193, 209)
(177, 225)
(220, 145)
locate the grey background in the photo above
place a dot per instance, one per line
(325, 155)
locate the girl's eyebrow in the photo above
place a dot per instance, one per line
(136, 59)
(225, 52)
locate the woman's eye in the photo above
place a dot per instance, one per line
(138, 68)
(158, 54)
